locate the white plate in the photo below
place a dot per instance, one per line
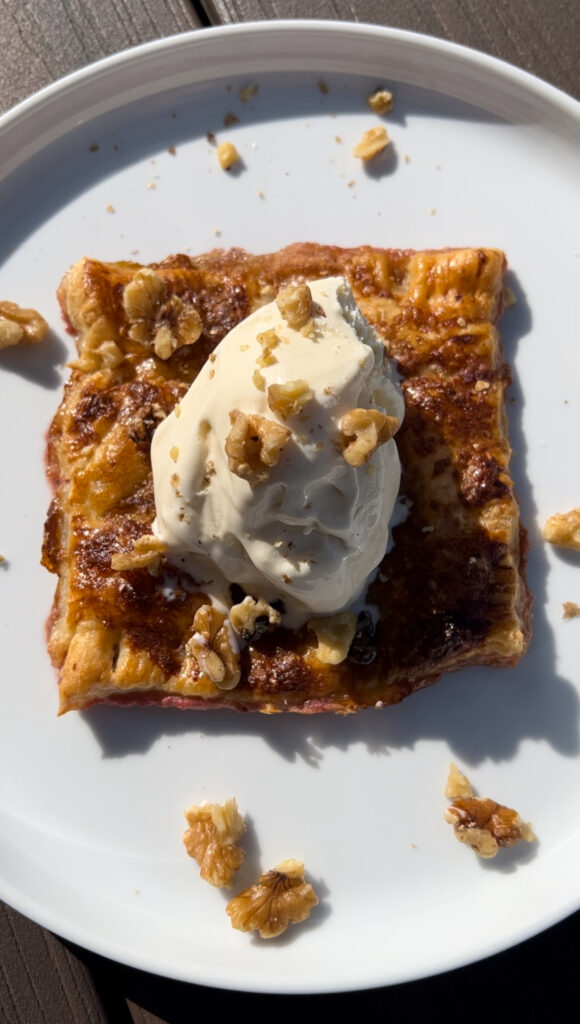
(92, 804)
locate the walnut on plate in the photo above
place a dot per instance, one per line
(211, 839)
(254, 445)
(212, 649)
(165, 322)
(368, 428)
(381, 101)
(334, 634)
(563, 529)
(280, 897)
(479, 822)
(20, 326)
(372, 143)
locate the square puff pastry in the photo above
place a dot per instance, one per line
(450, 593)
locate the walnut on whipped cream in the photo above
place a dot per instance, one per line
(289, 399)
(295, 305)
(369, 428)
(254, 445)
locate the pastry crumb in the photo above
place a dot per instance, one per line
(381, 101)
(110, 208)
(227, 155)
(563, 529)
(373, 142)
(172, 150)
(571, 610)
(247, 91)
(323, 86)
(230, 119)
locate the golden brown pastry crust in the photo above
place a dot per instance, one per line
(451, 592)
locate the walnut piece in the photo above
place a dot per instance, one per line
(457, 784)
(254, 445)
(214, 830)
(563, 529)
(373, 142)
(20, 326)
(571, 610)
(381, 101)
(289, 399)
(213, 647)
(227, 155)
(486, 825)
(295, 305)
(370, 429)
(334, 635)
(165, 322)
(268, 341)
(145, 553)
(281, 897)
(252, 618)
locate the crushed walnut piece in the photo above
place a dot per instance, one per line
(563, 529)
(295, 305)
(268, 341)
(480, 822)
(214, 649)
(252, 618)
(370, 428)
(211, 839)
(289, 399)
(146, 553)
(334, 634)
(227, 155)
(20, 326)
(372, 143)
(281, 897)
(165, 322)
(381, 101)
(571, 610)
(254, 445)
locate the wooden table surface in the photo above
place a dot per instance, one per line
(47, 980)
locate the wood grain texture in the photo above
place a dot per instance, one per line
(42, 40)
(540, 37)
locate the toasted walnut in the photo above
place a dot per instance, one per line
(214, 649)
(295, 305)
(381, 101)
(372, 143)
(20, 326)
(258, 380)
(252, 618)
(254, 445)
(227, 155)
(281, 897)
(370, 429)
(214, 830)
(268, 341)
(571, 610)
(289, 399)
(457, 784)
(334, 635)
(156, 318)
(486, 825)
(564, 529)
(145, 553)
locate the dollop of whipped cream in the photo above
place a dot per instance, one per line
(310, 528)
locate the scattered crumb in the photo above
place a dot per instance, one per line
(2, 560)
(110, 208)
(509, 298)
(323, 86)
(93, 148)
(414, 846)
(564, 529)
(210, 136)
(351, 183)
(431, 210)
(172, 150)
(151, 184)
(380, 101)
(230, 119)
(227, 155)
(406, 158)
(134, 252)
(372, 143)
(337, 138)
(247, 91)
(571, 610)
(217, 232)
(261, 194)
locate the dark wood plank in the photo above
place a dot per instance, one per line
(42, 40)
(540, 37)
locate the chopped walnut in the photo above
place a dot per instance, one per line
(370, 429)
(289, 399)
(258, 380)
(254, 445)
(381, 101)
(146, 553)
(295, 305)
(372, 143)
(165, 322)
(457, 784)
(252, 618)
(20, 326)
(214, 830)
(268, 341)
(227, 155)
(571, 610)
(281, 897)
(212, 648)
(334, 635)
(564, 529)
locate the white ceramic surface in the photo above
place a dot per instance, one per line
(91, 805)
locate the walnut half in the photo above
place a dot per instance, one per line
(254, 445)
(20, 326)
(281, 897)
(155, 318)
(214, 830)
(212, 649)
(480, 822)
